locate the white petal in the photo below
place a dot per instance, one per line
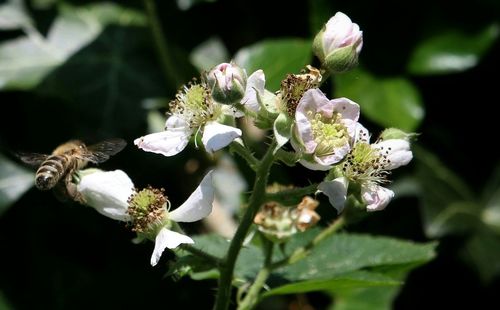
(107, 192)
(216, 136)
(314, 165)
(348, 108)
(167, 239)
(168, 143)
(255, 87)
(198, 205)
(376, 197)
(397, 151)
(336, 190)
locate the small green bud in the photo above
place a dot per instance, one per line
(338, 44)
(394, 133)
(227, 82)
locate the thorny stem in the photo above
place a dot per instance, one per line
(252, 296)
(239, 149)
(256, 200)
(161, 44)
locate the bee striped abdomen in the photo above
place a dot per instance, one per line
(51, 171)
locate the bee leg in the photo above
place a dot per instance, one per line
(71, 190)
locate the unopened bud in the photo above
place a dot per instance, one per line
(227, 82)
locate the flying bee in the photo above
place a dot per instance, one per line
(57, 170)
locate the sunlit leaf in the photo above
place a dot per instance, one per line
(25, 61)
(209, 54)
(276, 57)
(343, 253)
(452, 51)
(14, 182)
(389, 102)
(349, 280)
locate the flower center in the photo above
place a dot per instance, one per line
(366, 164)
(148, 209)
(329, 133)
(194, 104)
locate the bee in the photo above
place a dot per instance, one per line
(57, 170)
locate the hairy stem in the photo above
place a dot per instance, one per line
(256, 200)
(241, 150)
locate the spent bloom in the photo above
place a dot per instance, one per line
(324, 129)
(278, 223)
(192, 111)
(147, 211)
(339, 43)
(368, 165)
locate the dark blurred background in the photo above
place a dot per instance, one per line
(64, 256)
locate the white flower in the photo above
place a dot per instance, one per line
(107, 192)
(152, 220)
(368, 165)
(193, 110)
(324, 129)
(254, 88)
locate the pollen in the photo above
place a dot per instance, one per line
(194, 104)
(294, 86)
(366, 164)
(329, 134)
(147, 208)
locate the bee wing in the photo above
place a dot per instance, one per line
(100, 152)
(32, 159)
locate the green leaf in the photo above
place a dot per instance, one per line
(27, 60)
(389, 102)
(115, 73)
(248, 263)
(276, 57)
(343, 253)
(209, 54)
(349, 280)
(452, 51)
(14, 182)
(282, 130)
(448, 204)
(369, 298)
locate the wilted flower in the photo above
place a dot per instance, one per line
(148, 210)
(324, 129)
(339, 43)
(192, 111)
(278, 223)
(368, 165)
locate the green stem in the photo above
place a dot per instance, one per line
(292, 196)
(239, 149)
(256, 200)
(166, 58)
(303, 251)
(252, 296)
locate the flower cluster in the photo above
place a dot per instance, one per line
(309, 129)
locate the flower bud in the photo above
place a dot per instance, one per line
(338, 44)
(394, 133)
(227, 82)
